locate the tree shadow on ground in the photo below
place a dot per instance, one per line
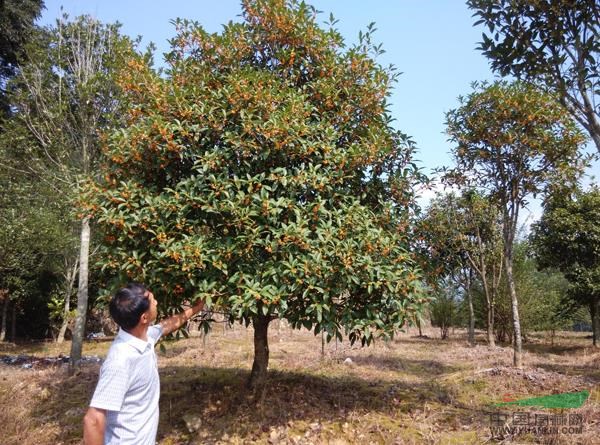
(434, 338)
(64, 399)
(24, 347)
(415, 367)
(217, 399)
(215, 403)
(590, 372)
(557, 349)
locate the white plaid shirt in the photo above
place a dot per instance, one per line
(129, 389)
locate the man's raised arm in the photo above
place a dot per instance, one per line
(174, 322)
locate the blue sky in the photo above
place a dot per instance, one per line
(432, 42)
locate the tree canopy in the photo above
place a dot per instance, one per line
(17, 19)
(568, 237)
(515, 141)
(462, 240)
(555, 43)
(262, 174)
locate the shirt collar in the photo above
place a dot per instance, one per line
(137, 343)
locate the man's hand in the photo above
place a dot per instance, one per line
(94, 423)
(176, 321)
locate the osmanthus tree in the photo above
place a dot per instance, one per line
(554, 43)
(568, 237)
(461, 237)
(544, 302)
(261, 173)
(446, 268)
(481, 240)
(513, 141)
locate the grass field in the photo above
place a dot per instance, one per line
(411, 390)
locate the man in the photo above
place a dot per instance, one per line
(124, 408)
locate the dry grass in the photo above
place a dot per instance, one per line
(409, 391)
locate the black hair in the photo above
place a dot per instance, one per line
(128, 305)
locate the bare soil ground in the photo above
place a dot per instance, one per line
(412, 390)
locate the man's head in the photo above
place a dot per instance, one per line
(131, 305)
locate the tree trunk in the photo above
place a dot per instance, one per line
(490, 325)
(4, 317)
(595, 312)
(60, 338)
(517, 347)
(444, 331)
(489, 301)
(258, 375)
(13, 328)
(471, 310)
(492, 315)
(66, 320)
(593, 126)
(471, 320)
(82, 296)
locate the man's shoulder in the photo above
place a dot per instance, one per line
(118, 353)
(155, 332)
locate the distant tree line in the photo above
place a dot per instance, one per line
(514, 141)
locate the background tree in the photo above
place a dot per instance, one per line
(444, 307)
(481, 240)
(555, 43)
(30, 237)
(543, 298)
(447, 267)
(44, 219)
(568, 237)
(252, 175)
(64, 95)
(513, 141)
(544, 303)
(17, 19)
(462, 237)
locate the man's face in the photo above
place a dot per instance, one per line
(152, 310)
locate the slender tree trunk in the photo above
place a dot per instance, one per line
(72, 272)
(13, 328)
(517, 344)
(593, 126)
(595, 312)
(471, 310)
(60, 338)
(471, 320)
(496, 277)
(489, 302)
(4, 317)
(596, 138)
(258, 375)
(488, 310)
(82, 296)
(490, 325)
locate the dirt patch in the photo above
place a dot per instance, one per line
(539, 378)
(407, 391)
